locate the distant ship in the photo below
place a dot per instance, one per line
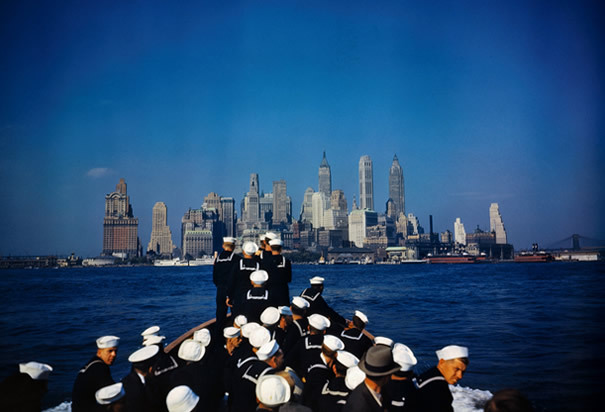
(464, 258)
(203, 261)
(536, 257)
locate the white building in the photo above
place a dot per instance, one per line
(496, 225)
(318, 201)
(459, 232)
(359, 220)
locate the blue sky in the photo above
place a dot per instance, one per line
(481, 102)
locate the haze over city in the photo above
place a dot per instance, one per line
(480, 102)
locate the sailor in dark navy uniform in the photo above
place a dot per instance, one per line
(353, 337)
(243, 396)
(264, 254)
(378, 365)
(95, 375)
(299, 325)
(334, 393)
(138, 384)
(257, 298)
(434, 384)
(308, 348)
(317, 302)
(401, 393)
(285, 321)
(194, 373)
(23, 391)
(222, 271)
(240, 277)
(280, 273)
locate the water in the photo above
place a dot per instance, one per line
(539, 328)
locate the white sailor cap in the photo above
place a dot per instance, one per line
(153, 340)
(152, 330)
(382, 340)
(354, 377)
(346, 359)
(271, 236)
(36, 370)
(202, 336)
(108, 342)
(333, 343)
(317, 280)
(319, 322)
(248, 328)
(259, 277)
(362, 316)
(240, 320)
(110, 394)
(143, 354)
(230, 332)
(300, 302)
(272, 390)
(276, 242)
(452, 352)
(270, 316)
(404, 357)
(267, 350)
(229, 239)
(285, 310)
(181, 399)
(259, 337)
(191, 350)
(250, 248)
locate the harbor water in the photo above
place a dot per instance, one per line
(539, 328)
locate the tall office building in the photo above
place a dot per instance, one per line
(318, 201)
(228, 215)
(161, 237)
(252, 203)
(366, 183)
(396, 187)
(359, 221)
(280, 203)
(496, 225)
(306, 212)
(338, 201)
(325, 177)
(459, 232)
(120, 227)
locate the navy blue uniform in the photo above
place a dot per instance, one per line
(222, 271)
(92, 377)
(434, 392)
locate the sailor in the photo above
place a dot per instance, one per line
(265, 251)
(353, 337)
(384, 341)
(334, 392)
(222, 270)
(183, 399)
(285, 320)
(272, 391)
(24, 390)
(95, 375)
(111, 397)
(138, 384)
(164, 365)
(378, 365)
(270, 319)
(242, 397)
(400, 393)
(280, 273)
(433, 384)
(149, 332)
(317, 303)
(258, 297)
(228, 357)
(240, 277)
(272, 355)
(192, 373)
(319, 371)
(298, 328)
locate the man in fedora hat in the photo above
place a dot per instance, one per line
(378, 365)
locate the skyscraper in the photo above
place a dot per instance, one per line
(325, 177)
(253, 201)
(366, 183)
(306, 212)
(120, 227)
(459, 232)
(318, 200)
(280, 203)
(396, 187)
(228, 215)
(496, 225)
(161, 237)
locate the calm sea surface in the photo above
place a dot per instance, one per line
(536, 327)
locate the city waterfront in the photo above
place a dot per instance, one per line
(535, 327)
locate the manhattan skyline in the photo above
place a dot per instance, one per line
(481, 104)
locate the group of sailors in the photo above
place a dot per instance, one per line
(273, 353)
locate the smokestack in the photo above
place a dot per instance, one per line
(431, 223)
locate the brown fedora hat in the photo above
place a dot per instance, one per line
(378, 361)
